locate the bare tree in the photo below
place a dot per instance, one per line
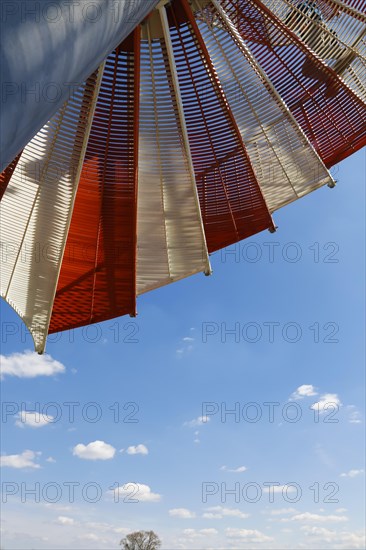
(141, 540)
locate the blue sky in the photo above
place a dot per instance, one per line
(151, 398)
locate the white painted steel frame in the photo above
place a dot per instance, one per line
(171, 239)
(35, 212)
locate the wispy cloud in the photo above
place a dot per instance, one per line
(183, 513)
(309, 517)
(238, 470)
(199, 421)
(247, 535)
(352, 473)
(107, 527)
(186, 345)
(282, 511)
(219, 512)
(306, 390)
(137, 450)
(32, 419)
(354, 416)
(24, 460)
(194, 533)
(337, 539)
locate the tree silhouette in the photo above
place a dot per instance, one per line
(141, 540)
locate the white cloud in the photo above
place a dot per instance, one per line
(24, 460)
(306, 390)
(199, 421)
(282, 511)
(137, 450)
(327, 403)
(248, 535)
(354, 415)
(338, 539)
(135, 492)
(355, 418)
(29, 365)
(107, 527)
(353, 473)
(50, 459)
(317, 518)
(186, 347)
(65, 520)
(194, 533)
(33, 419)
(238, 470)
(183, 513)
(96, 450)
(211, 515)
(218, 512)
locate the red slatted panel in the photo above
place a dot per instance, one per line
(98, 274)
(331, 115)
(231, 201)
(5, 176)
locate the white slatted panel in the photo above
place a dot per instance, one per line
(36, 211)
(334, 31)
(171, 242)
(286, 165)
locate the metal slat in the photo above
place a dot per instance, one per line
(335, 115)
(98, 277)
(171, 241)
(36, 210)
(279, 150)
(231, 200)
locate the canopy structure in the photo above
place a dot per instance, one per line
(204, 120)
